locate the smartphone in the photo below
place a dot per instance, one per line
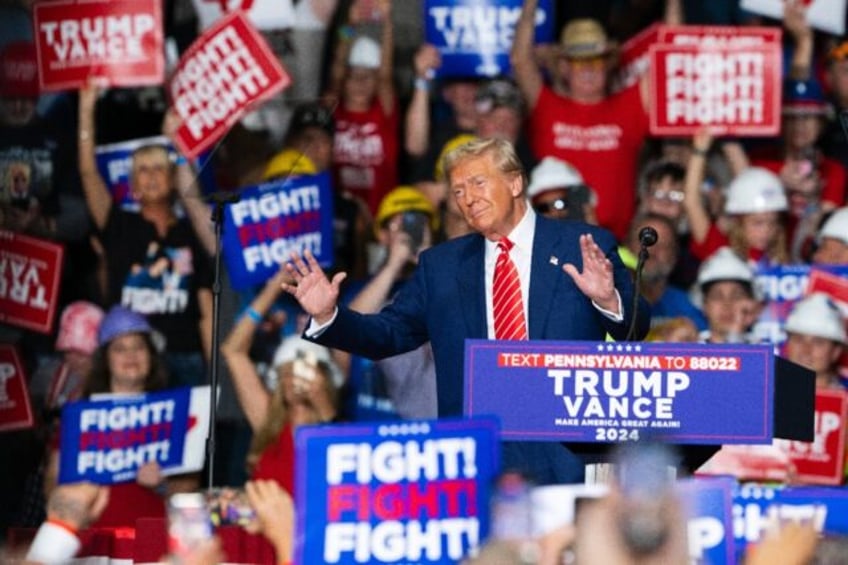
(305, 365)
(645, 473)
(414, 224)
(189, 523)
(228, 506)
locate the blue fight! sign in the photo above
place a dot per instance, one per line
(709, 505)
(474, 37)
(273, 219)
(760, 510)
(106, 441)
(400, 492)
(608, 392)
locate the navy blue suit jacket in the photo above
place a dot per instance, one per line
(444, 302)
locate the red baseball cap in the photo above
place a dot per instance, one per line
(19, 70)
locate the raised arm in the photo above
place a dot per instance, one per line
(417, 136)
(97, 196)
(253, 397)
(673, 14)
(188, 189)
(338, 65)
(693, 205)
(386, 85)
(524, 67)
(795, 22)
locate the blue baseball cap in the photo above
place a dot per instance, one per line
(121, 321)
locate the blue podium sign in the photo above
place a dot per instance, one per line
(609, 392)
(399, 492)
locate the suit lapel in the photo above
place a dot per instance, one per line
(544, 276)
(471, 288)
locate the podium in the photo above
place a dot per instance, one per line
(591, 396)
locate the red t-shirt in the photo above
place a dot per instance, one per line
(277, 461)
(602, 140)
(714, 241)
(833, 176)
(127, 503)
(365, 152)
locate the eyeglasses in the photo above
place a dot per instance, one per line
(558, 205)
(673, 195)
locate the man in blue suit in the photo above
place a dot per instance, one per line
(573, 286)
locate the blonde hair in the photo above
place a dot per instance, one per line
(502, 153)
(278, 413)
(776, 252)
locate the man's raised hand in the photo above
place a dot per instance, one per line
(596, 281)
(310, 286)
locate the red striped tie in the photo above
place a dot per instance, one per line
(507, 304)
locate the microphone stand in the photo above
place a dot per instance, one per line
(637, 290)
(218, 200)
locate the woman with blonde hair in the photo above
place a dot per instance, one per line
(304, 383)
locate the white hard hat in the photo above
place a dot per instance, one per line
(723, 265)
(365, 52)
(836, 226)
(552, 173)
(817, 315)
(755, 190)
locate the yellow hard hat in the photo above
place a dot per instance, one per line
(289, 163)
(453, 143)
(404, 199)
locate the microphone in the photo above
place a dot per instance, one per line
(648, 236)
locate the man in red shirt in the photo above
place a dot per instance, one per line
(577, 120)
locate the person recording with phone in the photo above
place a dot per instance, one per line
(403, 385)
(303, 385)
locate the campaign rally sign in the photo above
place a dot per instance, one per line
(833, 282)
(273, 219)
(107, 439)
(263, 14)
(713, 36)
(760, 510)
(30, 271)
(224, 72)
(782, 286)
(735, 89)
(634, 57)
(709, 505)
(826, 15)
(607, 392)
(475, 37)
(822, 461)
(119, 42)
(400, 492)
(15, 408)
(114, 161)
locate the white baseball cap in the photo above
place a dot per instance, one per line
(365, 52)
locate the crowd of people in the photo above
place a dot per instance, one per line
(443, 189)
